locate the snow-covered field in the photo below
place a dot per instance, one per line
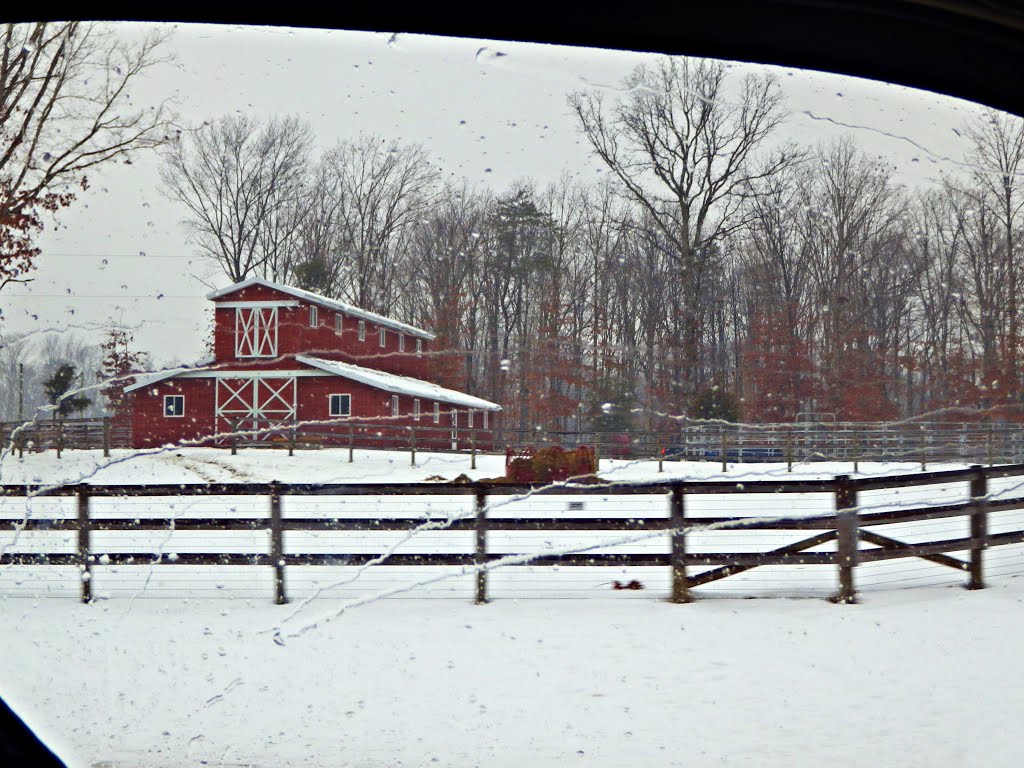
(197, 465)
(927, 677)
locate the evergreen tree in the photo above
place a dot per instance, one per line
(58, 385)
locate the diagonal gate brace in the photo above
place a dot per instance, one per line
(730, 570)
(887, 543)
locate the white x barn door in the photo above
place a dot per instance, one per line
(255, 404)
(256, 332)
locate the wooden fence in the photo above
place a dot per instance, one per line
(850, 526)
(920, 442)
(60, 434)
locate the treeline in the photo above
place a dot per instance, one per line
(716, 270)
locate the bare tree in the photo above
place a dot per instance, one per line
(445, 257)
(243, 182)
(683, 145)
(65, 109)
(381, 190)
(997, 157)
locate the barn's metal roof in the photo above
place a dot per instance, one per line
(323, 301)
(400, 385)
(146, 379)
(387, 382)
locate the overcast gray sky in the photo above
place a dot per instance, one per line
(488, 112)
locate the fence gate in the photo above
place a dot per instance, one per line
(257, 403)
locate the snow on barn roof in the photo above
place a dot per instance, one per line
(144, 380)
(402, 385)
(323, 301)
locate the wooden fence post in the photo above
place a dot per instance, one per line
(84, 558)
(680, 584)
(979, 527)
(277, 543)
(991, 445)
(351, 441)
(234, 437)
(480, 556)
(412, 432)
(924, 449)
(789, 450)
(597, 451)
(60, 437)
(846, 537)
(292, 437)
(106, 437)
(725, 451)
(472, 449)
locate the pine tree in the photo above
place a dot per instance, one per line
(57, 387)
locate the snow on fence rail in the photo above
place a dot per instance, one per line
(481, 516)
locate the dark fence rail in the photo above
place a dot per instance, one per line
(850, 526)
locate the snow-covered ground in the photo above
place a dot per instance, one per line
(927, 677)
(197, 465)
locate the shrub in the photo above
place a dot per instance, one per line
(549, 465)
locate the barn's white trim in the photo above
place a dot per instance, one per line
(192, 373)
(324, 302)
(256, 332)
(255, 403)
(256, 304)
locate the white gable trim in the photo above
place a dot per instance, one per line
(255, 304)
(191, 373)
(323, 301)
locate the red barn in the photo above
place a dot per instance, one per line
(289, 361)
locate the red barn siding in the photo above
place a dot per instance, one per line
(151, 429)
(296, 336)
(374, 406)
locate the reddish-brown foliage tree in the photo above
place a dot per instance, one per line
(119, 362)
(856, 382)
(778, 370)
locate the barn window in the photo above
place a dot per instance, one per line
(455, 418)
(394, 405)
(437, 413)
(485, 419)
(341, 405)
(338, 322)
(174, 405)
(383, 336)
(419, 347)
(416, 409)
(401, 342)
(362, 330)
(312, 316)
